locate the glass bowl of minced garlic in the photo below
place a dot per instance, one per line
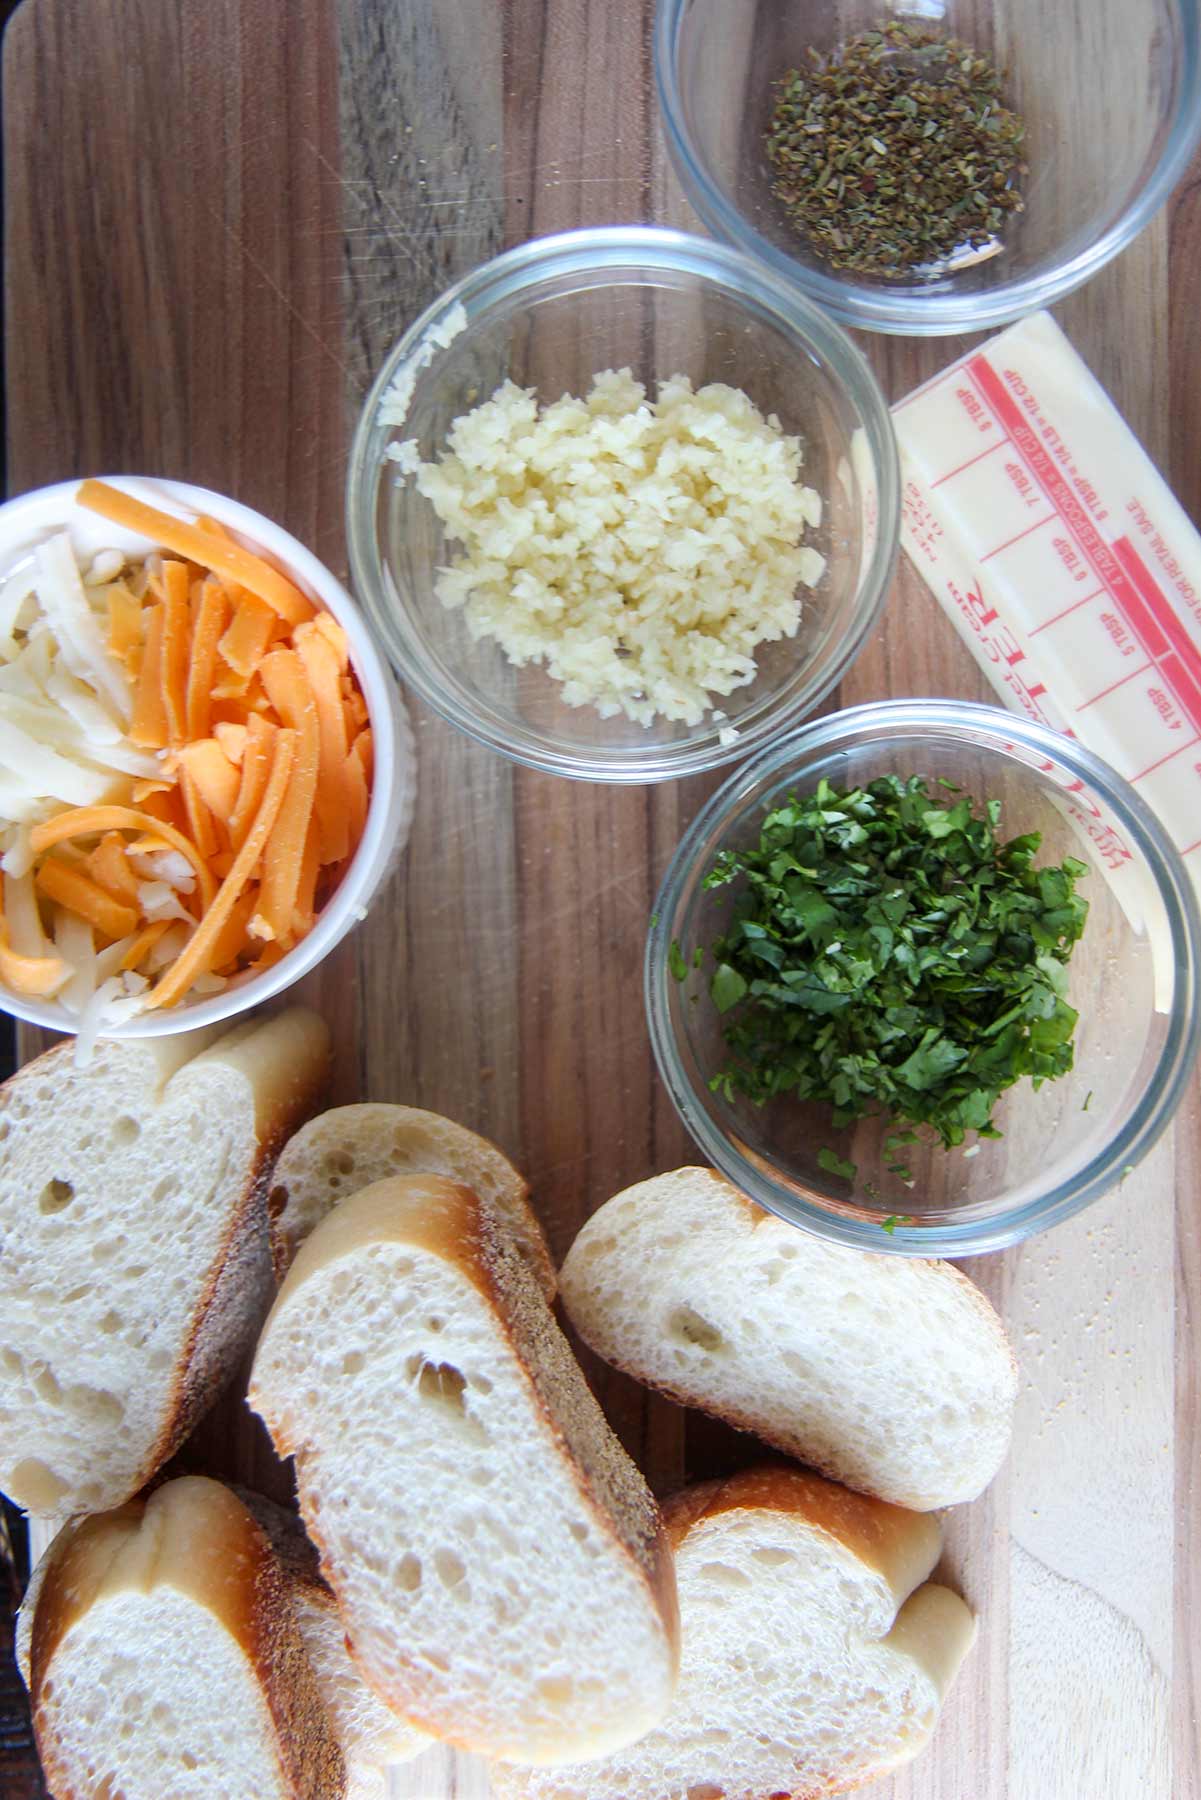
(623, 505)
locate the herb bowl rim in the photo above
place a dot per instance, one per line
(864, 307)
(996, 728)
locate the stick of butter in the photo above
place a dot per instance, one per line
(1043, 527)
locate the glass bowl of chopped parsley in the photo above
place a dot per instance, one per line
(924, 976)
(942, 171)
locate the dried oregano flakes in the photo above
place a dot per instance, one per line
(896, 152)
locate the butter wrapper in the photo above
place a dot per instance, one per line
(1071, 571)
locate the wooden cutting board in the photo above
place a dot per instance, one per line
(218, 216)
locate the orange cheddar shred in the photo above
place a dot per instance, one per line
(244, 642)
(256, 765)
(214, 776)
(321, 665)
(148, 726)
(209, 623)
(356, 791)
(231, 735)
(79, 894)
(330, 629)
(109, 868)
(124, 626)
(304, 911)
(231, 940)
(37, 976)
(201, 827)
(228, 685)
(355, 708)
(145, 941)
(364, 748)
(288, 689)
(225, 556)
(177, 633)
(143, 790)
(194, 959)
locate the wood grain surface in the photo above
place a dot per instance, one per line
(218, 216)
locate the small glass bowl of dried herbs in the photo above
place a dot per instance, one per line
(920, 975)
(895, 155)
(898, 147)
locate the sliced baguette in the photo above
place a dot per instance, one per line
(165, 1659)
(499, 1562)
(371, 1736)
(344, 1150)
(135, 1268)
(799, 1677)
(890, 1374)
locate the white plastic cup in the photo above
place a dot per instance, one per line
(33, 516)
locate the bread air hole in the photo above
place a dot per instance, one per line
(34, 1486)
(723, 1575)
(45, 1385)
(442, 1385)
(55, 1195)
(94, 1404)
(772, 1559)
(352, 1362)
(688, 1327)
(437, 1381)
(408, 1573)
(126, 1130)
(449, 1568)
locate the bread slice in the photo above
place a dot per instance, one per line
(371, 1736)
(799, 1677)
(499, 1562)
(135, 1268)
(342, 1151)
(888, 1373)
(165, 1659)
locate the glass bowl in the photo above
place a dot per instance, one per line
(549, 316)
(1110, 92)
(1133, 979)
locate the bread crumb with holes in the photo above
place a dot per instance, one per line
(641, 550)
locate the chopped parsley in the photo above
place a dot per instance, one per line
(834, 1164)
(886, 953)
(893, 1220)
